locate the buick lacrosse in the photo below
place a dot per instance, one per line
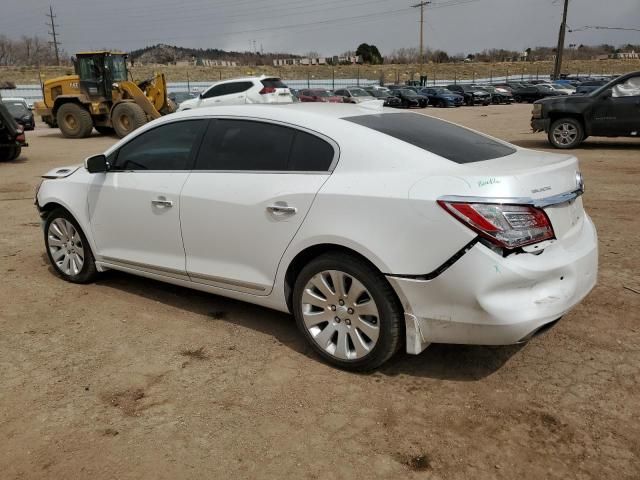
(376, 230)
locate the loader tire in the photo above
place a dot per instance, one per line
(126, 117)
(74, 121)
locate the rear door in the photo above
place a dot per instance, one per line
(251, 188)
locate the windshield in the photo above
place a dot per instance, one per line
(358, 92)
(16, 108)
(118, 68)
(408, 93)
(320, 93)
(379, 93)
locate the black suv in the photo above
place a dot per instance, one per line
(613, 110)
(472, 95)
(11, 136)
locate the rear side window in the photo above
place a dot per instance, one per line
(245, 145)
(273, 83)
(310, 153)
(444, 139)
(167, 147)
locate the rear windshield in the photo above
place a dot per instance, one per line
(273, 83)
(444, 139)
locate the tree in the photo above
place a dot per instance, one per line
(369, 53)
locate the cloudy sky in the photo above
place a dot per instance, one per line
(328, 27)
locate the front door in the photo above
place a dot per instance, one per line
(248, 195)
(134, 208)
(625, 99)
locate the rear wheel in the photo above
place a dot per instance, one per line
(68, 249)
(74, 121)
(126, 117)
(347, 311)
(566, 133)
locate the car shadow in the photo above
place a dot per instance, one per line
(439, 361)
(543, 144)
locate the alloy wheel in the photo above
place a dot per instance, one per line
(65, 246)
(340, 315)
(565, 134)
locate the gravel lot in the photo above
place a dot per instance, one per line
(130, 378)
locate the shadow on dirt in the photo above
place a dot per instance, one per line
(543, 144)
(439, 361)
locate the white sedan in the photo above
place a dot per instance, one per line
(376, 230)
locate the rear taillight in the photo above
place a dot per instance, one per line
(267, 90)
(507, 226)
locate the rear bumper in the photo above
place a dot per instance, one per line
(540, 124)
(486, 299)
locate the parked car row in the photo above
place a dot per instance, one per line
(12, 137)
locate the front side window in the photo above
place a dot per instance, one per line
(216, 91)
(118, 68)
(246, 145)
(167, 147)
(628, 88)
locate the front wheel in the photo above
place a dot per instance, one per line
(68, 249)
(347, 311)
(74, 121)
(566, 133)
(10, 153)
(126, 117)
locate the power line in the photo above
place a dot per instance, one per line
(53, 26)
(597, 27)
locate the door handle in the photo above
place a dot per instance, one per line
(282, 210)
(162, 203)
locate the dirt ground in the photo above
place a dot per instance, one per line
(390, 72)
(128, 378)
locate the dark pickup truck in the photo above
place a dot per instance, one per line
(612, 110)
(11, 136)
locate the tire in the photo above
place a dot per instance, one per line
(73, 259)
(517, 99)
(126, 117)
(368, 339)
(74, 121)
(105, 130)
(566, 133)
(10, 153)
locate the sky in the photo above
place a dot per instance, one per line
(329, 27)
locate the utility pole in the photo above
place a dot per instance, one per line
(559, 51)
(53, 26)
(422, 4)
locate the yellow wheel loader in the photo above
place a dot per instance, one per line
(101, 96)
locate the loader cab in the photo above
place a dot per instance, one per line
(98, 71)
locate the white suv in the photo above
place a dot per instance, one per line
(241, 90)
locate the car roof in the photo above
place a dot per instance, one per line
(14, 99)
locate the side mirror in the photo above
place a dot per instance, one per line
(96, 164)
(608, 93)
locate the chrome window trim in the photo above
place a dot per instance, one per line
(331, 141)
(539, 202)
